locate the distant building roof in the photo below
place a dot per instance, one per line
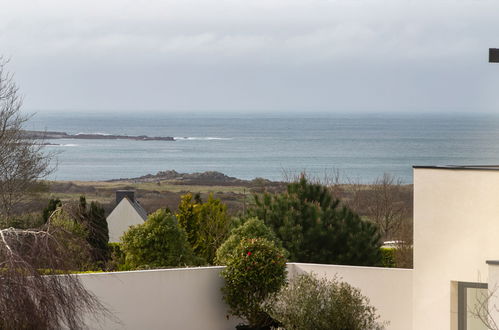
(140, 210)
(127, 212)
(130, 195)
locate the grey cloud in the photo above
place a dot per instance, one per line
(342, 55)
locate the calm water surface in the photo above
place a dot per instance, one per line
(362, 147)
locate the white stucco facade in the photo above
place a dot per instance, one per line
(121, 218)
(456, 230)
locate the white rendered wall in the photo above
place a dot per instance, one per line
(456, 229)
(185, 298)
(190, 298)
(388, 289)
(121, 218)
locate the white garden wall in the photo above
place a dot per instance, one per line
(388, 289)
(177, 299)
(190, 298)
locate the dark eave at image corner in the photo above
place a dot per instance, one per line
(493, 55)
(459, 167)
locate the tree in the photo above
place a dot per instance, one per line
(29, 299)
(214, 224)
(251, 228)
(22, 161)
(314, 228)
(72, 233)
(86, 221)
(385, 206)
(188, 218)
(158, 242)
(53, 204)
(255, 272)
(94, 218)
(206, 224)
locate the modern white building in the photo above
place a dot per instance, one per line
(456, 231)
(128, 212)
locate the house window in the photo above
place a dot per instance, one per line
(472, 302)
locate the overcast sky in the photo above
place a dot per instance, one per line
(253, 55)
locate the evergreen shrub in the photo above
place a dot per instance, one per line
(158, 242)
(310, 303)
(251, 228)
(255, 272)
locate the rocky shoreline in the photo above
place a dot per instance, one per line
(209, 178)
(52, 135)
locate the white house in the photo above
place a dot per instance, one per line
(127, 212)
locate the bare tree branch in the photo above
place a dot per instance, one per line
(482, 308)
(37, 287)
(23, 162)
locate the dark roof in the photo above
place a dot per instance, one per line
(140, 210)
(462, 167)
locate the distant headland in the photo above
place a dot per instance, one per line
(51, 135)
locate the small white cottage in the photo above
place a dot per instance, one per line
(128, 212)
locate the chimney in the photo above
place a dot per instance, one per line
(120, 194)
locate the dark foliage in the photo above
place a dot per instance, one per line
(157, 243)
(93, 218)
(313, 227)
(206, 224)
(53, 204)
(255, 271)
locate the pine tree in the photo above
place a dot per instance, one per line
(94, 218)
(313, 226)
(98, 236)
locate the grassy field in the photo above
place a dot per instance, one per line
(154, 195)
(236, 194)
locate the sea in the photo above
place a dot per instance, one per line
(358, 147)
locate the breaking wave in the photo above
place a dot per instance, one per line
(192, 138)
(96, 133)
